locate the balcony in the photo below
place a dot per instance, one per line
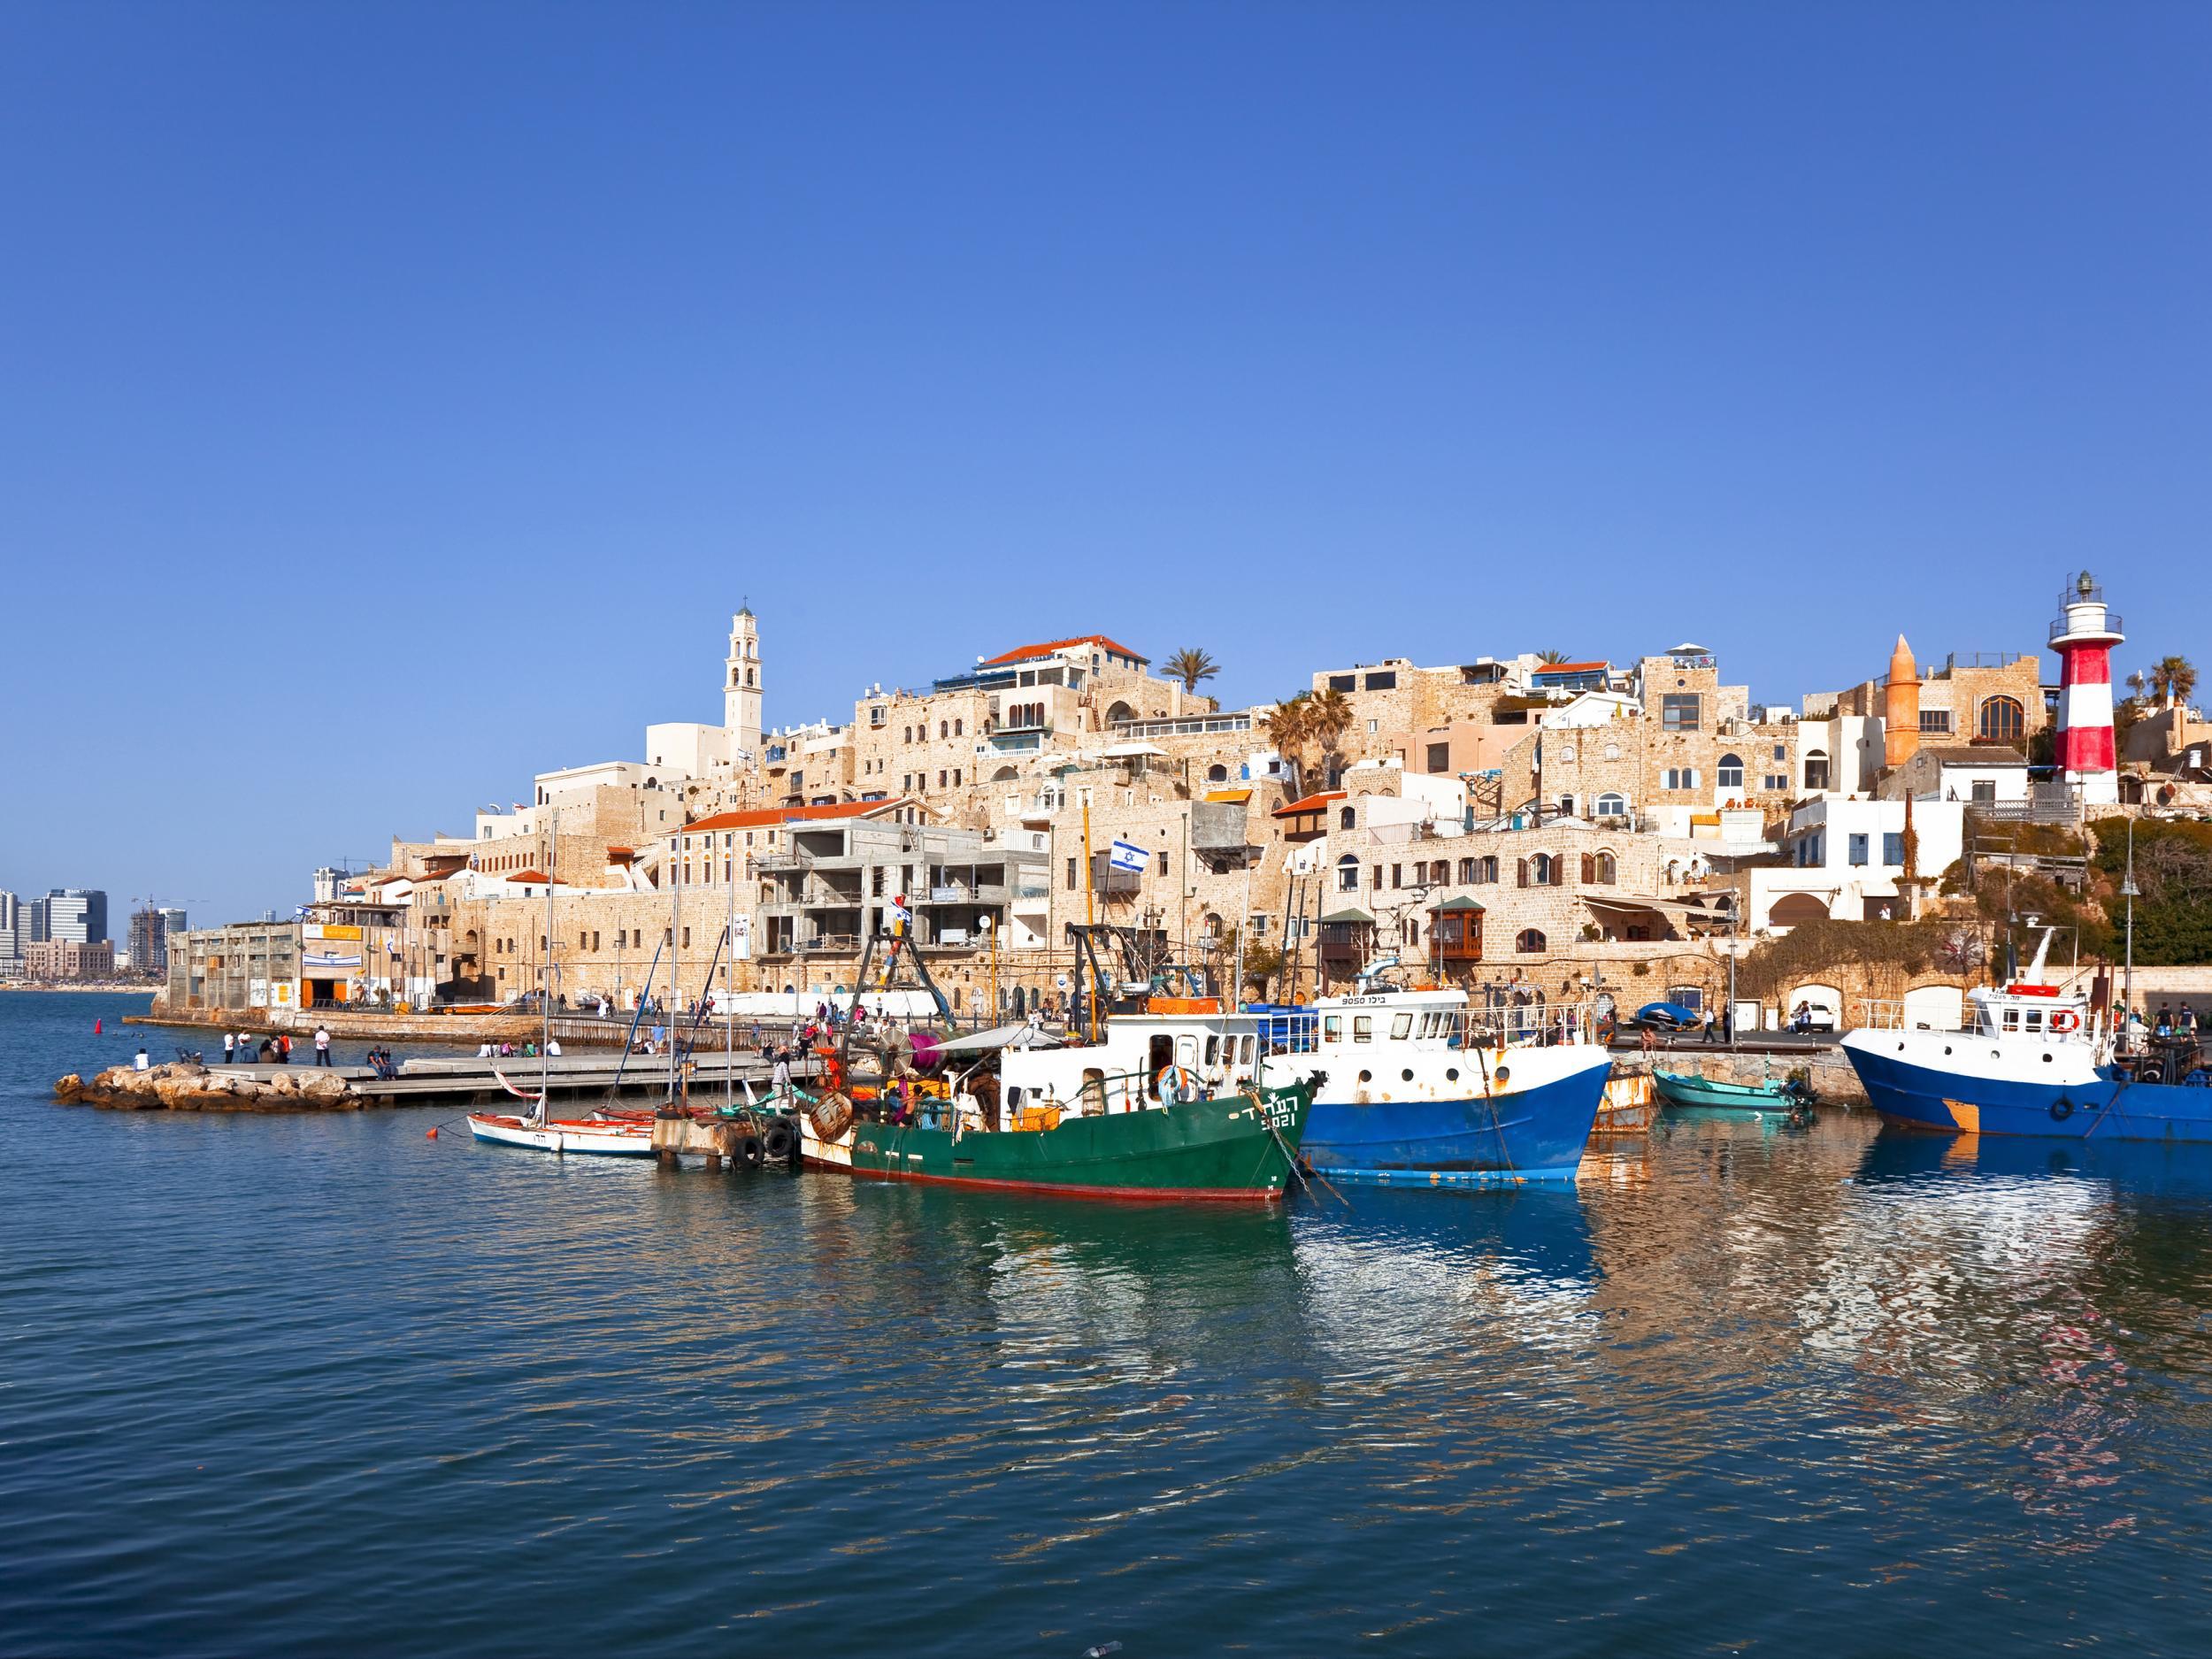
(2061, 627)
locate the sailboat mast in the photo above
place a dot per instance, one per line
(545, 979)
(675, 951)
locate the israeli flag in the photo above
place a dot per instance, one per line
(1129, 857)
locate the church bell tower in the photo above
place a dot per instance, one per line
(741, 685)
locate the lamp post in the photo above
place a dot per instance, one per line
(2128, 891)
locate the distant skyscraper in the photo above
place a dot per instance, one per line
(15, 931)
(35, 910)
(172, 925)
(76, 916)
(150, 939)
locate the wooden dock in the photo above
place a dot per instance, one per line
(572, 1080)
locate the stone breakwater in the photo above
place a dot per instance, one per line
(186, 1087)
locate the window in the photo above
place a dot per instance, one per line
(1347, 874)
(1486, 868)
(1397, 878)
(1857, 849)
(1343, 682)
(1362, 1028)
(2001, 721)
(1345, 817)
(1529, 942)
(1678, 711)
(1985, 791)
(1815, 770)
(1333, 1028)
(1386, 681)
(955, 728)
(1730, 772)
(1439, 872)
(1781, 752)
(1775, 783)
(1466, 873)
(1935, 719)
(1678, 778)
(1604, 869)
(1610, 805)
(1439, 757)
(1893, 848)
(1071, 875)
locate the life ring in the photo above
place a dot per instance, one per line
(2065, 1019)
(2061, 1109)
(833, 1115)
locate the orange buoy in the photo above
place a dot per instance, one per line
(430, 1133)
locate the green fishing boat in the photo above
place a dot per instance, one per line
(1686, 1088)
(1238, 1146)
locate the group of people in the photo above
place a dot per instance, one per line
(2168, 1022)
(506, 1050)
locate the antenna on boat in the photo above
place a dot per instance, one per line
(545, 979)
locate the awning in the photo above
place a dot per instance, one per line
(997, 1037)
(1341, 918)
(1458, 902)
(1662, 907)
(1229, 797)
(1129, 751)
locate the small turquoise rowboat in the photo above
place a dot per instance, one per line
(1680, 1088)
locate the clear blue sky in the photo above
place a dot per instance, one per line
(397, 400)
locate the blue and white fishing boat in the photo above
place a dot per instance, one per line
(2034, 1060)
(1423, 1091)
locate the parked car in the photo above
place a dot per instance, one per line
(1666, 1017)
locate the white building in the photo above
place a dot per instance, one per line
(1846, 860)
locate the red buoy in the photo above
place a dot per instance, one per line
(95, 1027)
(430, 1135)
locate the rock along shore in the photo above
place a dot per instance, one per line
(186, 1087)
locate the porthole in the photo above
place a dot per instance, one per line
(1901, 1048)
(1947, 1048)
(2047, 1059)
(1367, 1077)
(1505, 1074)
(1408, 1073)
(1452, 1076)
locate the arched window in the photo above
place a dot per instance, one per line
(1730, 775)
(1217, 773)
(1345, 817)
(1467, 873)
(1609, 870)
(1120, 714)
(1347, 874)
(1816, 769)
(1529, 942)
(2001, 720)
(1566, 806)
(944, 729)
(1610, 805)
(1541, 870)
(1005, 774)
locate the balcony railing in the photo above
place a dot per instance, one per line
(2061, 627)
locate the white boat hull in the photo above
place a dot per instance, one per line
(586, 1137)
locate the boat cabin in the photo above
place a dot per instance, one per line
(2030, 1013)
(1194, 1051)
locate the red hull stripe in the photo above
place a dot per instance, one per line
(1123, 1194)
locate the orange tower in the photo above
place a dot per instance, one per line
(1900, 707)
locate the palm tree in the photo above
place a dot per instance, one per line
(1289, 726)
(1190, 665)
(1329, 718)
(2175, 678)
(1549, 658)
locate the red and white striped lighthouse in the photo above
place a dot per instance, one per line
(2084, 636)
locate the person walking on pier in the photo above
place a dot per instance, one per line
(322, 1045)
(230, 1047)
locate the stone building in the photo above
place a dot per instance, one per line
(69, 959)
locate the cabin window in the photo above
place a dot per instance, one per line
(1245, 1048)
(1013, 1095)
(2012, 1019)
(1161, 1055)
(1400, 1028)
(1362, 1028)
(1333, 1028)
(2035, 1019)
(1094, 1085)
(1186, 1051)
(1213, 1051)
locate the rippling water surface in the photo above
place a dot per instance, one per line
(288, 1385)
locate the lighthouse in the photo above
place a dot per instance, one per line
(2084, 636)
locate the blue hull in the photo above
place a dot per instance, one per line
(1929, 1098)
(1533, 1134)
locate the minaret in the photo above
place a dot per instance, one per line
(1900, 707)
(740, 690)
(2084, 636)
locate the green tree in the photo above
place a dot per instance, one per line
(1190, 665)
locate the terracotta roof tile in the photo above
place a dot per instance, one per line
(1023, 653)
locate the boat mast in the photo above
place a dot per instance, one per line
(545, 980)
(2127, 974)
(675, 949)
(729, 995)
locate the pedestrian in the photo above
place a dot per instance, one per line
(553, 1045)
(284, 1048)
(266, 1052)
(1712, 1028)
(780, 1081)
(1647, 1039)
(230, 1047)
(2165, 1026)
(2188, 1019)
(1728, 1025)
(322, 1045)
